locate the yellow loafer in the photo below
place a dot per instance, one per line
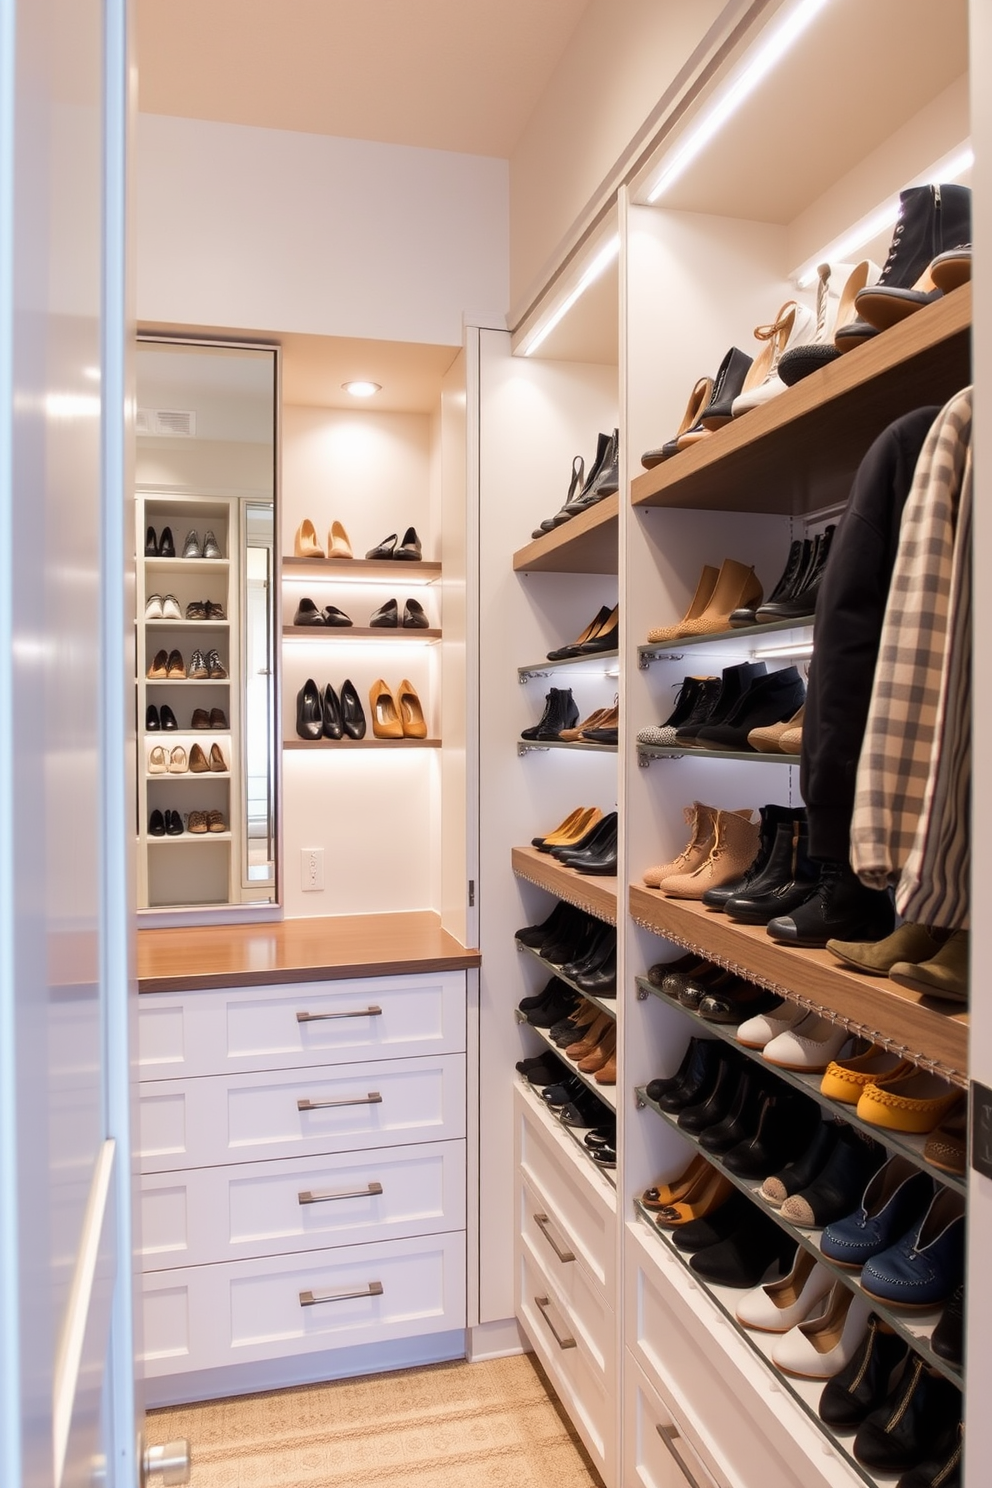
(915, 1103)
(846, 1079)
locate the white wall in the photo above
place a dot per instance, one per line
(275, 231)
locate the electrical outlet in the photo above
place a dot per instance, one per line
(312, 869)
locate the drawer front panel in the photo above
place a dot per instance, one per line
(729, 1405)
(658, 1453)
(307, 1023)
(204, 1215)
(205, 1317)
(246, 1118)
(572, 1194)
(563, 1352)
(548, 1246)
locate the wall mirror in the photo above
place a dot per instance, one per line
(206, 472)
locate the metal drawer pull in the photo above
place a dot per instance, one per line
(369, 1012)
(543, 1222)
(352, 1193)
(372, 1099)
(543, 1306)
(313, 1299)
(670, 1435)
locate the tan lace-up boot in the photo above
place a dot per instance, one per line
(699, 819)
(732, 853)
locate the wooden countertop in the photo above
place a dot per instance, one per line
(312, 950)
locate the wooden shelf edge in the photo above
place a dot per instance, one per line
(597, 896)
(586, 544)
(359, 565)
(874, 1006)
(345, 745)
(356, 633)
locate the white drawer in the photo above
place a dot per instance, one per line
(547, 1158)
(572, 1368)
(254, 1028)
(204, 1317)
(245, 1118)
(658, 1453)
(552, 1251)
(201, 1215)
(729, 1403)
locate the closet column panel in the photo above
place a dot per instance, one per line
(534, 417)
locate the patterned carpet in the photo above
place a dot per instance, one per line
(454, 1425)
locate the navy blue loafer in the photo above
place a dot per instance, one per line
(897, 1195)
(927, 1264)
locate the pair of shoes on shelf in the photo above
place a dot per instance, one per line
(583, 949)
(719, 592)
(170, 666)
(177, 762)
(307, 613)
(205, 609)
(603, 480)
(160, 547)
(933, 962)
(794, 596)
(407, 551)
(596, 853)
(387, 616)
(601, 634)
(721, 846)
(215, 719)
(165, 824)
(201, 822)
(575, 825)
(160, 718)
(307, 546)
(396, 715)
(601, 727)
(328, 715)
(159, 608)
(193, 548)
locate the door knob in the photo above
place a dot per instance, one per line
(166, 1466)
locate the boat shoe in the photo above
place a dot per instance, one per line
(927, 1264)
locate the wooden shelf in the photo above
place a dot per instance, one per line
(364, 568)
(323, 948)
(799, 452)
(586, 544)
(929, 1032)
(348, 744)
(356, 633)
(597, 896)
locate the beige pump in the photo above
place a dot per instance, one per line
(307, 545)
(737, 587)
(701, 598)
(338, 542)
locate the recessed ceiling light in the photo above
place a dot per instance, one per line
(362, 389)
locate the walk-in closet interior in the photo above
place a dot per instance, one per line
(486, 1000)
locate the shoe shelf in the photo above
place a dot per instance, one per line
(188, 775)
(720, 640)
(795, 453)
(570, 663)
(606, 1093)
(185, 836)
(895, 1017)
(602, 1179)
(371, 569)
(587, 543)
(606, 1005)
(538, 746)
(596, 895)
(648, 752)
(904, 1143)
(187, 681)
(187, 565)
(187, 625)
(346, 745)
(914, 1326)
(806, 1392)
(323, 633)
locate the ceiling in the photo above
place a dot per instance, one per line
(461, 75)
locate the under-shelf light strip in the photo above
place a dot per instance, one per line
(758, 63)
(599, 265)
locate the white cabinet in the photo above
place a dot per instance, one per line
(302, 1161)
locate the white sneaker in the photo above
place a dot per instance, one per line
(809, 1046)
(755, 1033)
(821, 1346)
(170, 608)
(153, 607)
(784, 1304)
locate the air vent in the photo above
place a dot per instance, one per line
(168, 423)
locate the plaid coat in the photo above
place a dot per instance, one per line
(895, 764)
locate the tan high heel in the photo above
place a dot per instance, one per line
(574, 828)
(338, 542)
(604, 1051)
(736, 587)
(708, 1192)
(411, 714)
(307, 545)
(595, 720)
(701, 598)
(386, 721)
(698, 399)
(664, 1194)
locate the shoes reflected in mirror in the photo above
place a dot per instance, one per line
(199, 671)
(153, 607)
(386, 720)
(306, 544)
(151, 544)
(338, 542)
(170, 608)
(156, 824)
(218, 718)
(173, 824)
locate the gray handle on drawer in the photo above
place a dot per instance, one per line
(544, 1223)
(543, 1307)
(351, 1193)
(369, 1012)
(314, 1299)
(670, 1435)
(372, 1099)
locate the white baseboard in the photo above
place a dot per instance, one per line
(496, 1340)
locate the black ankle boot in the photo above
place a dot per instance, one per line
(863, 1384)
(771, 818)
(769, 699)
(733, 685)
(535, 728)
(563, 714)
(839, 908)
(795, 566)
(574, 487)
(788, 878)
(801, 600)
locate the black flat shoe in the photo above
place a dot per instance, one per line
(331, 724)
(415, 616)
(352, 712)
(700, 1233)
(385, 549)
(386, 617)
(151, 544)
(307, 613)
(309, 713)
(168, 718)
(152, 721)
(409, 549)
(156, 824)
(336, 618)
(535, 935)
(173, 824)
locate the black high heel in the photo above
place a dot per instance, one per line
(352, 712)
(331, 724)
(309, 717)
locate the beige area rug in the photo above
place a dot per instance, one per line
(454, 1425)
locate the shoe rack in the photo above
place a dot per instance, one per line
(699, 1394)
(189, 869)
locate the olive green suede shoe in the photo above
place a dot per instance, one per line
(876, 958)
